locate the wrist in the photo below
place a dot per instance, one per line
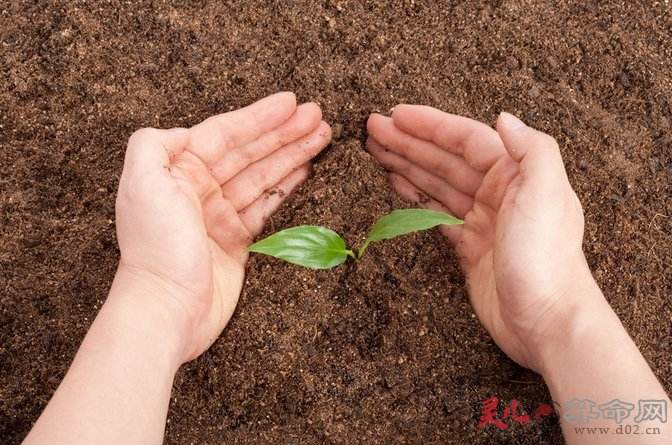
(585, 315)
(156, 311)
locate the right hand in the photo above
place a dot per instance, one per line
(521, 244)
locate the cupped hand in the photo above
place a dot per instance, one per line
(191, 200)
(521, 244)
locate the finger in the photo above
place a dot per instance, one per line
(496, 181)
(432, 185)
(153, 149)
(256, 214)
(225, 227)
(475, 141)
(148, 162)
(190, 168)
(214, 137)
(306, 118)
(412, 194)
(537, 153)
(452, 168)
(250, 183)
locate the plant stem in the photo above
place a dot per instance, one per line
(362, 249)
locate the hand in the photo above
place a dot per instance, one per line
(191, 200)
(521, 243)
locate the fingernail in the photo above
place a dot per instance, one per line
(511, 121)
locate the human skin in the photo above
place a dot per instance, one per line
(189, 203)
(521, 251)
(191, 200)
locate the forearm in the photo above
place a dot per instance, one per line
(118, 387)
(593, 360)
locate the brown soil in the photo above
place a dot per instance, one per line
(384, 351)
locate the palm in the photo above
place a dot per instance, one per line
(492, 259)
(207, 194)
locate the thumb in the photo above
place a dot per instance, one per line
(537, 153)
(154, 149)
(149, 156)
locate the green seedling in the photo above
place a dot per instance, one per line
(317, 247)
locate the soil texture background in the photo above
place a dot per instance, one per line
(385, 351)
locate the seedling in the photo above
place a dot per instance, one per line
(318, 247)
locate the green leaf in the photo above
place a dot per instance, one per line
(314, 247)
(401, 222)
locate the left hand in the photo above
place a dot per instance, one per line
(191, 200)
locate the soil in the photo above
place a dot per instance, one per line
(383, 351)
